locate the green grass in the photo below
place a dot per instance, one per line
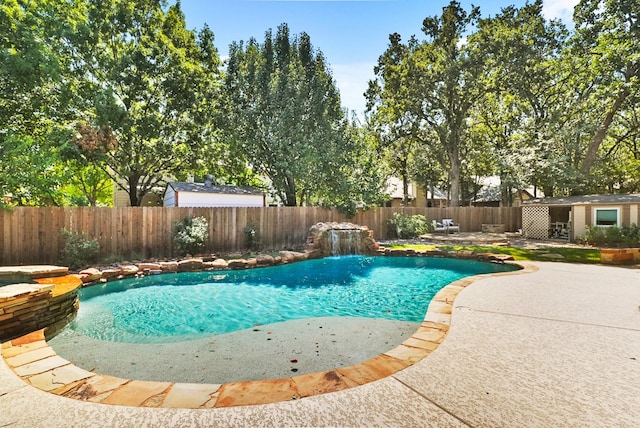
(569, 255)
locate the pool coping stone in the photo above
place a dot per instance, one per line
(36, 363)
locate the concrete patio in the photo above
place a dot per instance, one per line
(555, 347)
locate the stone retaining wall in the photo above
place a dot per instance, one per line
(493, 228)
(620, 256)
(28, 307)
(97, 275)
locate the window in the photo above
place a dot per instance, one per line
(607, 217)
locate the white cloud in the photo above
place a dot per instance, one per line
(559, 9)
(352, 81)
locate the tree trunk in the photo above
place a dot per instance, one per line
(290, 192)
(134, 201)
(506, 192)
(405, 189)
(454, 174)
(601, 132)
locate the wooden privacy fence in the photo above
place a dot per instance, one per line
(31, 235)
(470, 219)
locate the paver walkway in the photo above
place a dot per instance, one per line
(556, 347)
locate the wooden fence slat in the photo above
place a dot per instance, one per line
(4, 229)
(31, 235)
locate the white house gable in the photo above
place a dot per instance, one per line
(180, 194)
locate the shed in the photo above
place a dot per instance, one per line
(181, 194)
(568, 217)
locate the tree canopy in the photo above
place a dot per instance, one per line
(33, 96)
(288, 121)
(96, 92)
(514, 95)
(142, 77)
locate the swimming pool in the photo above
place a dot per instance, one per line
(168, 308)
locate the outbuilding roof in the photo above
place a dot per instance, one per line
(179, 186)
(628, 198)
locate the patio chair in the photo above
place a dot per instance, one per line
(438, 227)
(450, 226)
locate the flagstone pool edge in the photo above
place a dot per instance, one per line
(32, 359)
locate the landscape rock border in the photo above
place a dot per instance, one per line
(321, 242)
(97, 275)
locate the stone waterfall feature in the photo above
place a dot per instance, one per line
(333, 239)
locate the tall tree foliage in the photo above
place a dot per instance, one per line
(142, 76)
(449, 74)
(439, 80)
(286, 116)
(90, 88)
(389, 99)
(524, 92)
(607, 44)
(33, 96)
(356, 177)
(508, 95)
(618, 165)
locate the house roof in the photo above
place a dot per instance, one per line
(437, 194)
(214, 188)
(491, 191)
(628, 198)
(489, 194)
(394, 188)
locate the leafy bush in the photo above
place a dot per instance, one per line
(407, 227)
(190, 235)
(613, 236)
(252, 236)
(632, 234)
(78, 251)
(594, 236)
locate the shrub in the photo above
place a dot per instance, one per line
(595, 236)
(407, 227)
(190, 235)
(632, 234)
(613, 236)
(78, 251)
(252, 237)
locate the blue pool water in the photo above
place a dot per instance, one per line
(167, 308)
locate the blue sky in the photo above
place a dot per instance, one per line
(352, 34)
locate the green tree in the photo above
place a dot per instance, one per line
(429, 89)
(143, 77)
(607, 42)
(449, 77)
(618, 166)
(286, 115)
(523, 90)
(389, 101)
(88, 185)
(30, 172)
(33, 96)
(356, 177)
